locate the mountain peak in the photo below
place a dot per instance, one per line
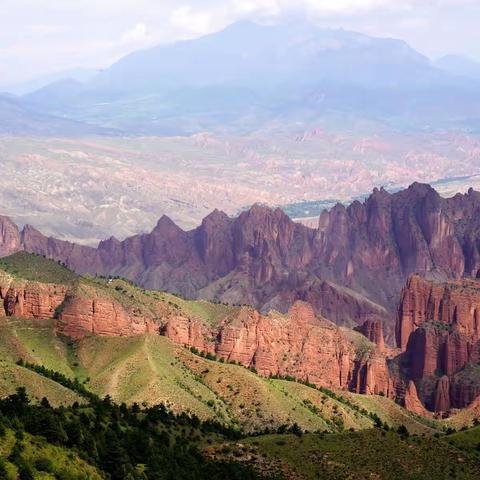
(166, 224)
(216, 217)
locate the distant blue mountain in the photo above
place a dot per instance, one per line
(18, 118)
(458, 65)
(259, 57)
(81, 75)
(249, 77)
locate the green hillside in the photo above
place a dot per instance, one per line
(248, 418)
(150, 369)
(467, 440)
(34, 457)
(368, 454)
(104, 440)
(36, 268)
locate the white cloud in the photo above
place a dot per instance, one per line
(137, 35)
(188, 21)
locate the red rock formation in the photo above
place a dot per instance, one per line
(438, 328)
(442, 395)
(84, 315)
(298, 344)
(413, 403)
(31, 300)
(373, 376)
(77, 315)
(373, 330)
(9, 237)
(370, 247)
(190, 332)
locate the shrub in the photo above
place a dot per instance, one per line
(44, 465)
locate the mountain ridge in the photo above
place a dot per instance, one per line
(250, 77)
(358, 258)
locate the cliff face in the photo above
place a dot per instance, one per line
(297, 344)
(438, 328)
(350, 269)
(373, 330)
(9, 237)
(82, 316)
(37, 301)
(300, 345)
(77, 314)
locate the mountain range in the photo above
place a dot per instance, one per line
(246, 385)
(350, 268)
(262, 77)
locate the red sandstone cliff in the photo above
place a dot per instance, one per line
(438, 328)
(298, 344)
(77, 314)
(373, 330)
(413, 403)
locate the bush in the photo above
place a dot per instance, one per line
(3, 469)
(25, 470)
(43, 465)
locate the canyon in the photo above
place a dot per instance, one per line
(350, 269)
(438, 330)
(399, 268)
(435, 371)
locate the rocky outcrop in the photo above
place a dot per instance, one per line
(438, 328)
(413, 403)
(9, 237)
(84, 315)
(31, 300)
(190, 332)
(298, 344)
(442, 395)
(350, 268)
(78, 312)
(373, 330)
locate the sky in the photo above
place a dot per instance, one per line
(39, 37)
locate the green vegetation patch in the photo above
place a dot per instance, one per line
(36, 268)
(467, 440)
(368, 454)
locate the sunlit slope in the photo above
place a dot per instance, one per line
(150, 369)
(356, 456)
(48, 461)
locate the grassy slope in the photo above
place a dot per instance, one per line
(35, 342)
(361, 455)
(394, 414)
(150, 369)
(65, 463)
(13, 376)
(36, 268)
(468, 440)
(465, 417)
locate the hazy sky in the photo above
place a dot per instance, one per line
(43, 36)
